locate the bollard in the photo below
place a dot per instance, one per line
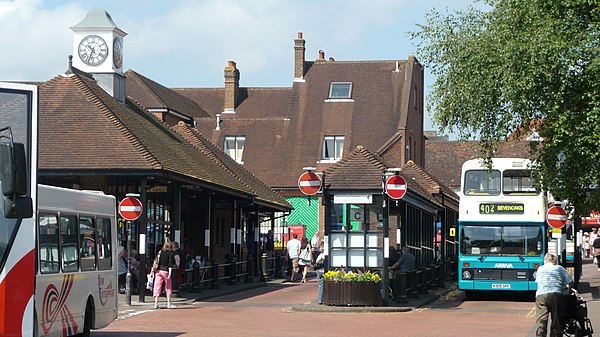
(402, 287)
(263, 267)
(278, 265)
(440, 276)
(412, 282)
(128, 287)
(233, 269)
(195, 276)
(214, 275)
(423, 285)
(250, 269)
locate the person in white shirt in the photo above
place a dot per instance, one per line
(293, 248)
(315, 245)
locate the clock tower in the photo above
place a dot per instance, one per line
(98, 50)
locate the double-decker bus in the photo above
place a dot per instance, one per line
(58, 263)
(501, 226)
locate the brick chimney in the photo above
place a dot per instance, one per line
(232, 86)
(299, 54)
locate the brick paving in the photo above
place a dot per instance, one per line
(290, 309)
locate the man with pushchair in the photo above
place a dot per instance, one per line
(552, 280)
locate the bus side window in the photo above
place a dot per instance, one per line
(104, 244)
(68, 243)
(48, 246)
(87, 238)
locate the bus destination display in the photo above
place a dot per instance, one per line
(499, 208)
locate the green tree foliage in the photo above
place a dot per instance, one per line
(505, 67)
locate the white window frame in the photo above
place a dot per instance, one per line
(338, 148)
(236, 153)
(339, 84)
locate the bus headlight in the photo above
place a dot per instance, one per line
(467, 274)
(534, 275)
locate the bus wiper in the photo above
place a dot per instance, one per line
(482, 257)
(521, 258)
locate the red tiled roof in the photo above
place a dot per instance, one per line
(152, 95)
(445, 159)
(362, 170)
(76, 125)
(84, 128)
(284, 127)
(263, 193)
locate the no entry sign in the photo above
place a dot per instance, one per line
(130, 208)
(395, 187)
(309, 183)
(556, 216)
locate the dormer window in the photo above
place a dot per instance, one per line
(340, 90)
(234, 147)
(333, 148)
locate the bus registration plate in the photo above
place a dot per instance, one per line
(500, 286)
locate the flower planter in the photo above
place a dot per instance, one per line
(352, 293)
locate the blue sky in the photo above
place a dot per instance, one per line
(187, 43)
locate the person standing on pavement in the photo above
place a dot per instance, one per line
(293, 249)
(315, 245)
(320, 269)
(179, 268)
(406, 261)
(593, 236)
(552, 280)
(596, 248)
(268, 247)
(164, 274)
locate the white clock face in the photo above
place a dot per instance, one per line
(93, 50)
(118, 53)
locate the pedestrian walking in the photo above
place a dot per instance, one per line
(164, 274)
(305, 257)
(293, 248)
(593, 236)
(596, 248)
(552, 280)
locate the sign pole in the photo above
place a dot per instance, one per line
(128, 277)
(130, 209)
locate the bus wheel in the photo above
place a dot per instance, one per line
(88, 319)
(469, 294)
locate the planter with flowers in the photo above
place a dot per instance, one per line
(351, 288)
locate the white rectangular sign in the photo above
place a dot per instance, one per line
(352, 198)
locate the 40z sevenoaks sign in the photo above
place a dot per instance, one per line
(495, 208)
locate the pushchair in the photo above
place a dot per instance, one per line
(574, 316)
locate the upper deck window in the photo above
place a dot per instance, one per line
(518, 182)
(482, 182)
(340, 90)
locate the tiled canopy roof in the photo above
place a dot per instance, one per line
(206, 148)
(82, 128)
(444, 159)
(152, 95)
(362, 170)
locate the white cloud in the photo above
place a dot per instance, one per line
(188, 42)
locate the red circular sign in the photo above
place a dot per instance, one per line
(130, 208)
(557, 216)
(395, 187)
(309, 183)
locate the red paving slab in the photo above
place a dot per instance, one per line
(270, 311)
(267, 311)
